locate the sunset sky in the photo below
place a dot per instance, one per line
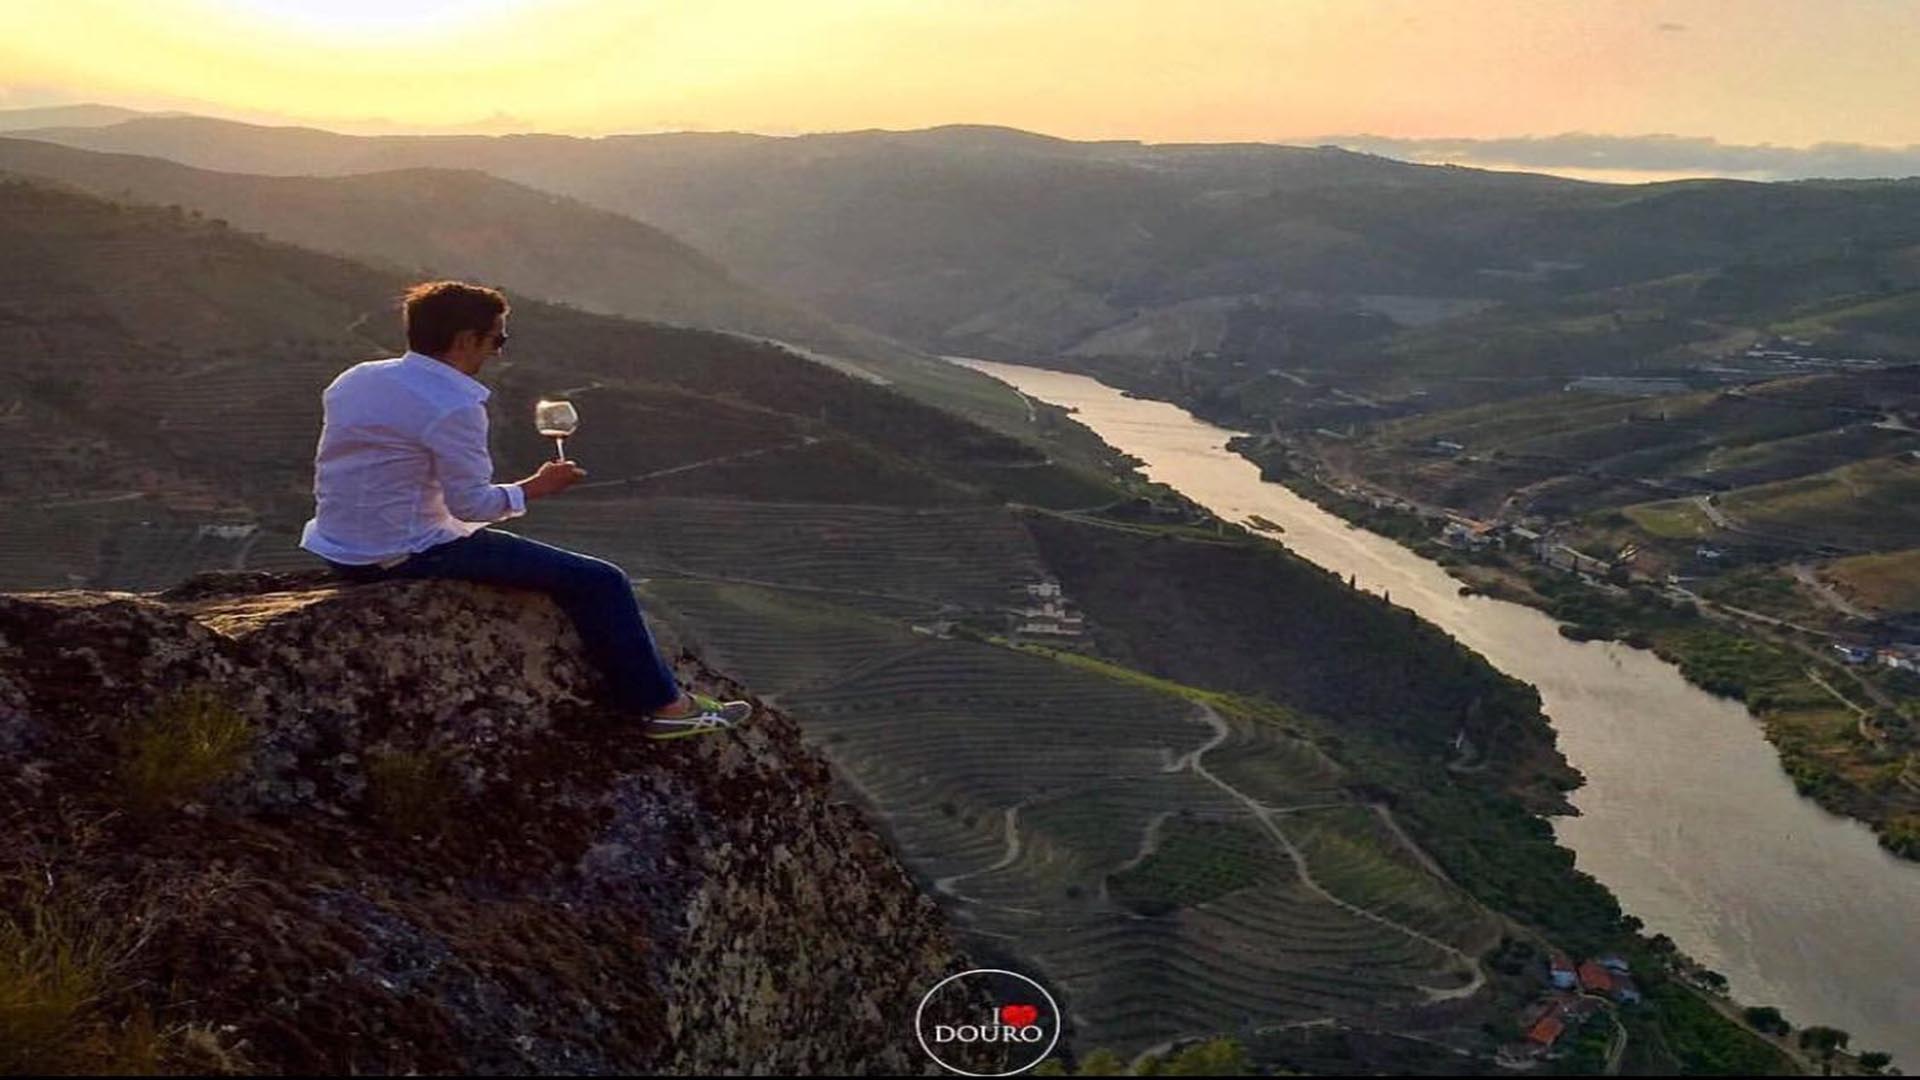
(1789, 72)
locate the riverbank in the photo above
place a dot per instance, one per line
(1686, 815)
(1209, 623)
(1838, 751)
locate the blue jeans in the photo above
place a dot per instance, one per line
(596, 594)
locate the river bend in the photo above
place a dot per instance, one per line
(1686, 814)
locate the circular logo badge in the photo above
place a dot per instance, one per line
(987, 1022)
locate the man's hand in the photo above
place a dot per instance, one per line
(553, 478)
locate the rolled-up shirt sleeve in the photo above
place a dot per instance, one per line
(464, 468)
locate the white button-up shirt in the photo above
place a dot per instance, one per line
(403, 463)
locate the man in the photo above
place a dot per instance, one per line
(403, 487)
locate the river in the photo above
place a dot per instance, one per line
(1686, 814)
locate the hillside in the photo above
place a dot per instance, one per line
(1149, 775)
(68, 116)
(461, 224)
(166, 370)
(994, 242)
(969, 239)
(1759, 535)
(239, 847)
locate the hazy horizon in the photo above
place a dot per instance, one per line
(1619, 159)
(1433, 80)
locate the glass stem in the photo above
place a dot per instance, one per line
(560, 453)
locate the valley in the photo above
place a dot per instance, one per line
(1197, 784)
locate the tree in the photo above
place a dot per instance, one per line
(1824, 1042)
(1874, 1060)
(1767, 1018)
(1102, 1062)
(1215, 1057)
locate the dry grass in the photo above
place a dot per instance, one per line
(197, 1049)
(60, 961)
(1887, 582)
(1872, 504)
(73, 998)
(191, 742)
(412, 792)
(1674, 519)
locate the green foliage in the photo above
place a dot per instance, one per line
(192, 741)
(1823, 1042)
(1875, 1060)
(411, 792)
(1768, 1019)
(1734, 665)
(1585, 1052)
(1203, 613)
(1197, 861)
(1215, 1057)
(1595, 614)
(51, 972)
(60, 961)
(1512, 957)
(1102, 1062)
(1756, 588)
(1702, 1041)
(1902, 835)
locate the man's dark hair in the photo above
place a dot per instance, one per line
(435, 311)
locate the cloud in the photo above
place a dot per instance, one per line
(1676, 154)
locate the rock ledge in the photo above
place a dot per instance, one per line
(437, 854)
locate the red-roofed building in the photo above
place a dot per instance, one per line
(1595, 979)
(1547, 1031)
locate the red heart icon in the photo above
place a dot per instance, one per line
(1018, 1015)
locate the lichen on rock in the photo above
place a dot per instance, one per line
(560, 895)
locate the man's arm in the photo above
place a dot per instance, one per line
(464, 467)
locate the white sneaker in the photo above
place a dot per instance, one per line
(710, 716)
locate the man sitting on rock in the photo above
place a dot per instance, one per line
(403, 483)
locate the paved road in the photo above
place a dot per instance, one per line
(1720, 520)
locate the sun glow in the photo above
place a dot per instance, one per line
(361, 18)
(1227, 70)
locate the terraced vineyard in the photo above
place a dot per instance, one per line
(1357, 858)
(1886, 582)
(144, 557)
(1870, 505)
(967, 558)
(237, 416)
(279, 551)
(58, 546)
(1066, 820)
(777, 642)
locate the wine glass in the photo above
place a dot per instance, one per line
(556, 420)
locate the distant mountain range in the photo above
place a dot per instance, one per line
(459, 223)
(1019, 246)
(1597, 155)
(71, 116)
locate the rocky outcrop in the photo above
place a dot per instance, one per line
(429, 851)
